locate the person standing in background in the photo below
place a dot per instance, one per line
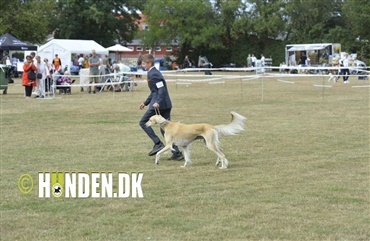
(187, 62)
(26, 82)
(57, 63)
(106, 63)
(81, 61)
(262, 60)
(344, 63)
(48, 79)
(139, 61)
(41, 73)
(254, 59)
(94, 64)
(139, 65)
(86, 62)
(249, 60)
(5, 58)
(302, 59)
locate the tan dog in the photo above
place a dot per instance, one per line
(183, 135)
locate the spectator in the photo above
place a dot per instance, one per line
(203, 64)
(85, 66)
(292, 61)
(139, 62)
(64, 83)
(26, 82)
(15, 61)
(42, 73)
(5, 58)
(122, 70)
(75, 61)
(86, 62)
(105, 69)
(94, 63)
(249, 60)
(57, 63)
(344, 63)
(139, 65)
(175, 66)
(81, 61)
(262, 60)
(308, 61)
(65, 79)
(302, 59)
(187, 62)
(33, 55)
(6, 61)
(106, 63)
(48, 79)
(253, 59)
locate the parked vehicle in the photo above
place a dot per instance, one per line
(359, 65)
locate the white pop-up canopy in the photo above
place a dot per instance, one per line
(66, 47)
(119, 48)
(307, 47)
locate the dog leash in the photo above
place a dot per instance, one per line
(157, 111)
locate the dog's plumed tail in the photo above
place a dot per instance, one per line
(236, 125)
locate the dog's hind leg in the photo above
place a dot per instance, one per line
(186, 156)
(226, 163)
(212, 144)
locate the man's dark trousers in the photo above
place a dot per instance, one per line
(165, 113)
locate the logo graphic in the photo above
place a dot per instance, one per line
(25, 183)
(84, 185)
(57, 181)
(57, 190)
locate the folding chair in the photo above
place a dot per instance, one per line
(123, 82)
(133, 84)
(106, 78)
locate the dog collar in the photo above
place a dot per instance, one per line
(163, 123)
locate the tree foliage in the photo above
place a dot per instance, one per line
(192, 24)
(102, 21)
(226, 30)
(26, 20)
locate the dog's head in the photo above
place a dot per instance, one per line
(155, 119)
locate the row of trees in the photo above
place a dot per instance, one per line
(224, 30)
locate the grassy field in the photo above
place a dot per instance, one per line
(300, 171)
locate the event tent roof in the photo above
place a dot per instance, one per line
(76, 46)
(306, 47)
(119, 48)
(9, 42)
(65, 48)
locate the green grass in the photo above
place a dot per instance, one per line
(300, 171)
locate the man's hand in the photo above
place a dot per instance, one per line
(142, 106)
(156, 105)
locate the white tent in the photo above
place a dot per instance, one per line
(119, 48)
(306, 47)
(66, 47)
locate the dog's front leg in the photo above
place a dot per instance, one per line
(218, 161)
(157, 156)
